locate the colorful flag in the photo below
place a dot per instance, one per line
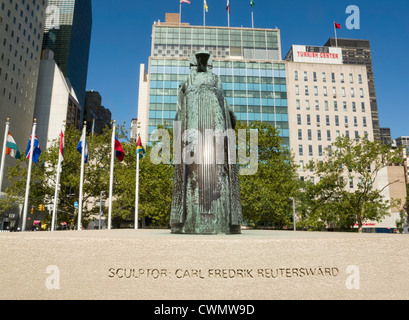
(119, 151)
(36, 149)
(81, 144)
(252, 4)
(337, 25)
(139, 148)
(205, 5)
(62, 147)
(185, 1)
(228, 6)
(11, 148)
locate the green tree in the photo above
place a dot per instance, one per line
(346, 194)
(265, 194)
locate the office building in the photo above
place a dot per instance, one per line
(358, 52)
(386, 137)
(56, 102)
(21, 35)
(247, 60)
(70, 41)
(326, 99)
(96, 115)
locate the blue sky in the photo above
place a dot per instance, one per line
(121, 41)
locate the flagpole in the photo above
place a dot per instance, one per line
(30, 162)
(57, 183)
(3, 157)
(84, 132)
(336, 40)
(111, 179)
(252, 18)
(180, 12)
(137, 182)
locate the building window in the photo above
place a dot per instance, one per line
(328, 135)
(298, 105)
(317, 105)
(326, 105)
(343, 92)
(305, 76)
(325, 92)
(296, 75)
(334, 92)
(335, 106)
(307, 104)
(310, 152)
(324, 77)
(337, 121)
(327, 120)
(351, 183)
(297, 90)
(299, 134)
(352, 92)
(355, 121)
(344, 104)
(353, 107)
(351, 78)
(308, 120)
(299, 119)
(363, 106)
(360, 78)
(306, 91)
(346, 121)
(361, 92)
(300, 150)
(319, 135)
(315, 90)
(364, 121)
(309, 135)
(314, 76)
(320, 150)
(301, 165)
(333, 77)
(342, 78)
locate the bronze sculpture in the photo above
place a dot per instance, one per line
(206, 194)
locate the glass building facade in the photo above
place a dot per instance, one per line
(70, 42)
(248, 62)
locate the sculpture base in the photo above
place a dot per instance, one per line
(158, 265)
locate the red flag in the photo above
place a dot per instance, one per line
(185, 1)
(337, 25)
(119, 151)
(228, 6)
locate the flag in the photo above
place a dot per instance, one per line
(337, 25)
(83, 142)
(62, 147)
(11, 148)
(228, 6)
(119, 151)
(205, 5)
(36, 149)
(185, 1)
(139, 148)
(252, 4)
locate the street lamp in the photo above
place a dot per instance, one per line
(295, 229)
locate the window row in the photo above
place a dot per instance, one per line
(320, 135)
(342, 77)
(350, 180)
(328, 120)
(307, 105)
(325, 91)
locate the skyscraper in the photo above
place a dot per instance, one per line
(21, 35)
(358, 52)
(70, 41)
(247, 60)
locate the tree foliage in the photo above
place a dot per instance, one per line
(348, 193)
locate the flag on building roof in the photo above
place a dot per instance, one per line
(83, 144)
(252, 4)
(139, 148)
(185, 1)
(337, 25)
(119, 151)
(36, 150)
(11, 147)
(205, 5)
(228, 6)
